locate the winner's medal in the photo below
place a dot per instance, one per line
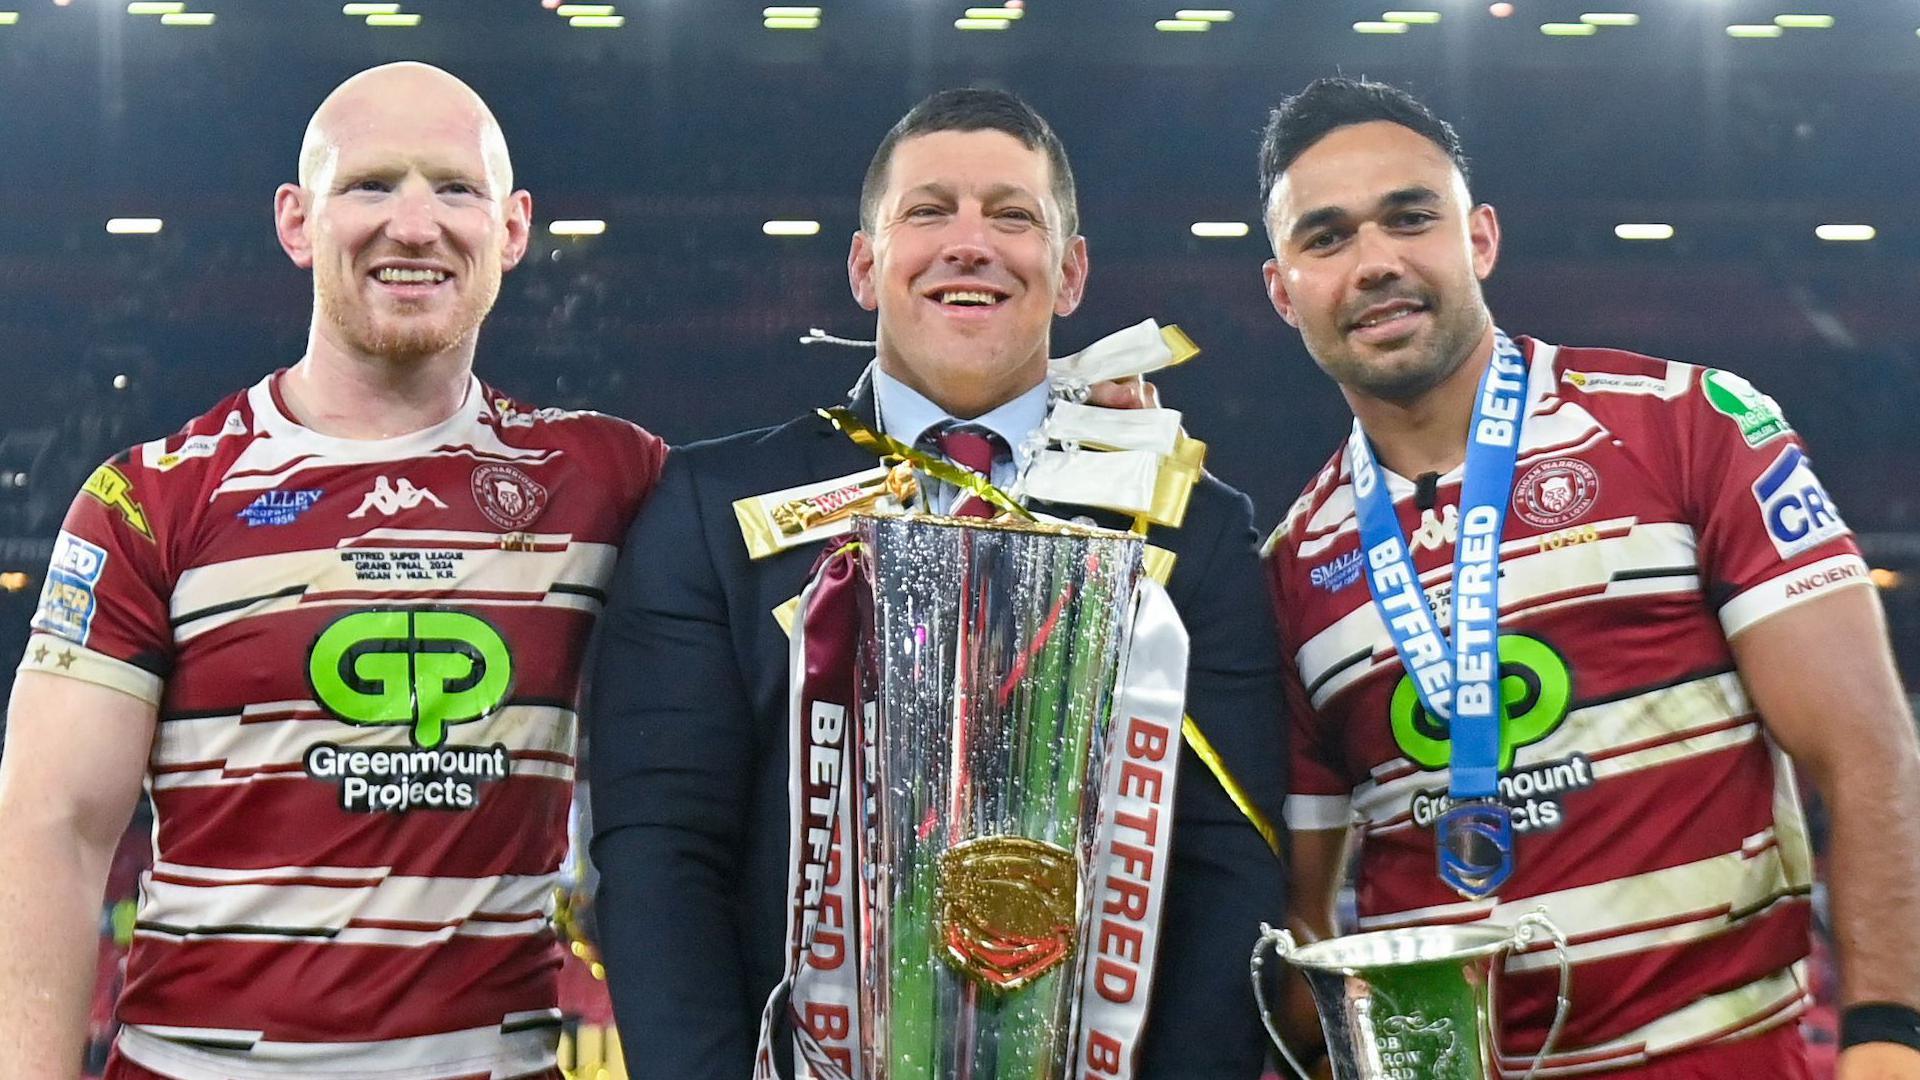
(1457, 676)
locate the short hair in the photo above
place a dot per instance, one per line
(1332, 103)
(974, 109)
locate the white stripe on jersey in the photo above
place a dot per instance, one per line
(1742, 1012)
(1313, 812)
(492, 1050)
(1653, 910)
(215, 595)
(232, 750)
(1673, 722)
(1778, 593)
(178, 902)
(1530, 579)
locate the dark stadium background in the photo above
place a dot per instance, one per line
(692, 123)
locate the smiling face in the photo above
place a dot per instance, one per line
(404, 214)
(967, 265)
(1378, 259)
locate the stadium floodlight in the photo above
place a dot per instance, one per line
(1804, 22)
(1569, 29)
(790, 228)
(790, 13)
(1010, 14)
(791, 22)
(395, 19)
(1182, 26)
(9, 18)
(156, 7)
(597, 22)
(1846, 233)
(14, 581)
(361, 11)
(134, 226)
(1378, 27)
(578, 227)
(981, 24)
(1411, 18)
(1204, 14)
(1880, 575)
(572, 11)
(1610, 18)
(188, 18)
(1643, 230)
(1753, 30)
(1219, 229)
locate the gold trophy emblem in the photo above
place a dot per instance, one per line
(1007, 908)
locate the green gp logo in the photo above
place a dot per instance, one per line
(424, 668)
(1535, 689)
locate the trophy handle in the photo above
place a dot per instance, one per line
(1535, 924)
(1281, 942)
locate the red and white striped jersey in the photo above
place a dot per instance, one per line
(1658, 509)
(366, 659)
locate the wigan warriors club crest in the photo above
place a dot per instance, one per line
(510, 498)
(1556, 492)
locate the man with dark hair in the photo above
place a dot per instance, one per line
(973, 109)
(967, 253)
(1597, 597)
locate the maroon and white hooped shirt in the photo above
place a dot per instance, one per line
(366, 660)
(1658, 509)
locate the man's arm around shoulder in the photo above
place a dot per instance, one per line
(69, 780)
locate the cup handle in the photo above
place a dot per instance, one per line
(1281, 942)
(1535, 924)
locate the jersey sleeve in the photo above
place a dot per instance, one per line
(1769, 535)
(102, 616)
(1319, 796)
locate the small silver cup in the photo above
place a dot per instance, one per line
(1411, 1004)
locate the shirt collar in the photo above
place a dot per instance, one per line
(906, 414)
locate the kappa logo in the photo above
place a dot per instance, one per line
(390, 499)
(1556, 492)
(1437, 530)
(1799, 514)
(508, 497)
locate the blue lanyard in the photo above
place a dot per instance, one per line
(1458, 680)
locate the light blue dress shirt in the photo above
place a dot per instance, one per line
(906, 414)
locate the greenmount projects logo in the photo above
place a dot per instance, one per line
(1536, 689)
(427, 669)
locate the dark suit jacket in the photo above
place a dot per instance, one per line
(688, 758)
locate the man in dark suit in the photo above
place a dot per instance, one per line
(968, 249)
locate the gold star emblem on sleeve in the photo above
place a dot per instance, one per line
(65, 659)
(40, 654)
